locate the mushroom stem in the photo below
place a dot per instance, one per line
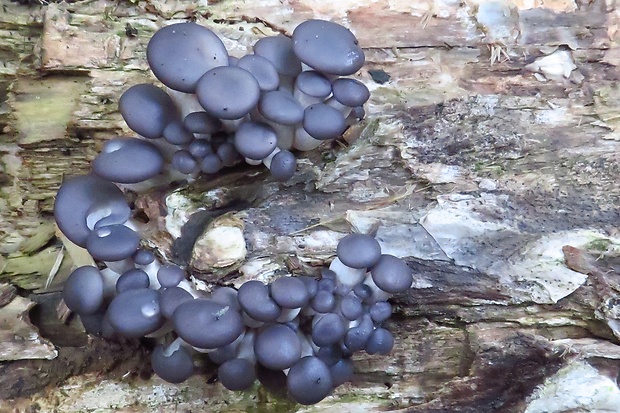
(347, 275)
(245, 350)
(303, 141)
(267, 160)
(377, 293)
(345, 110)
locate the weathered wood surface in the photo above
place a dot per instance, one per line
(489, 160)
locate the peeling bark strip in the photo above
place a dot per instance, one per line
(489, 160)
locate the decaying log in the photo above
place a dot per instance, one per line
(489, 160)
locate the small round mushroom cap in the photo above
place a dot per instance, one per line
(237, 374)
(309, 381)
(222, 354)
(177, 134)
(255, 140)
(202, 122)
(356, 337)
(281, 107)
(314, 84)
(342, 371)
(391, 274)
(350, 92)
(363, 291)
(380, 311)
(211, 164)
(351, 307)
(358, 251)
(323, 122)
(135, 313)
(170, 275)
(131, 280)
(171, 298)
(262, 69)
(328, 329)
(283, 166)
(147, 110)
(181, 53)
(254, 299)
(228, 154)
(227, 296)
(112, 243)
(83, 290)
(207, 324)
(184, 162)
(174, 366)
(279, 51)
(323, 302)
(327, 47)
(330, 354)
(143, 257)
(199, 148)
(88, 199)
(311, 284)
(359, 113)
(277, 347)
(228, 92)
(289, 292)
(380, 341)
(128, 161)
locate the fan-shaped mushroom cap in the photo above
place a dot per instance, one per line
(131, 280)
(135, 313)
(199, 148)
(279, 51)
(380, 311)
(143, 257)
(363, 291)
(228, 92)
(277, 347)
(323, 122)
(262, 69)
(207, 324)
(112, 243)
(170, 275)
(84, 202)
(255, 140)
(280, 106)
(228, 154)
(283, 166)
(358, 251)
(183, 161)
(391, 274)
(172, 365)
(309, 381)
(202, 122)
(181, 53)
(177, 134)
(351, 307)
(237, 374)
(350, 92)
(147, 110)
(289, 292)
(323, 301)
(171, 298)
(254, 299)
(356, 337)
(327, 47)
(380, 341)
(226, 296)
(328, 329)
(83, 290)
(330, 354)
(313, 84)
(128, 161)
(211, 164)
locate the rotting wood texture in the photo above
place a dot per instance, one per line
(489, 159)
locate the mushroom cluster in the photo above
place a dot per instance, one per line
(217, 110)
(298, 332)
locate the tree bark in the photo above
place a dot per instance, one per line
(489, 160)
